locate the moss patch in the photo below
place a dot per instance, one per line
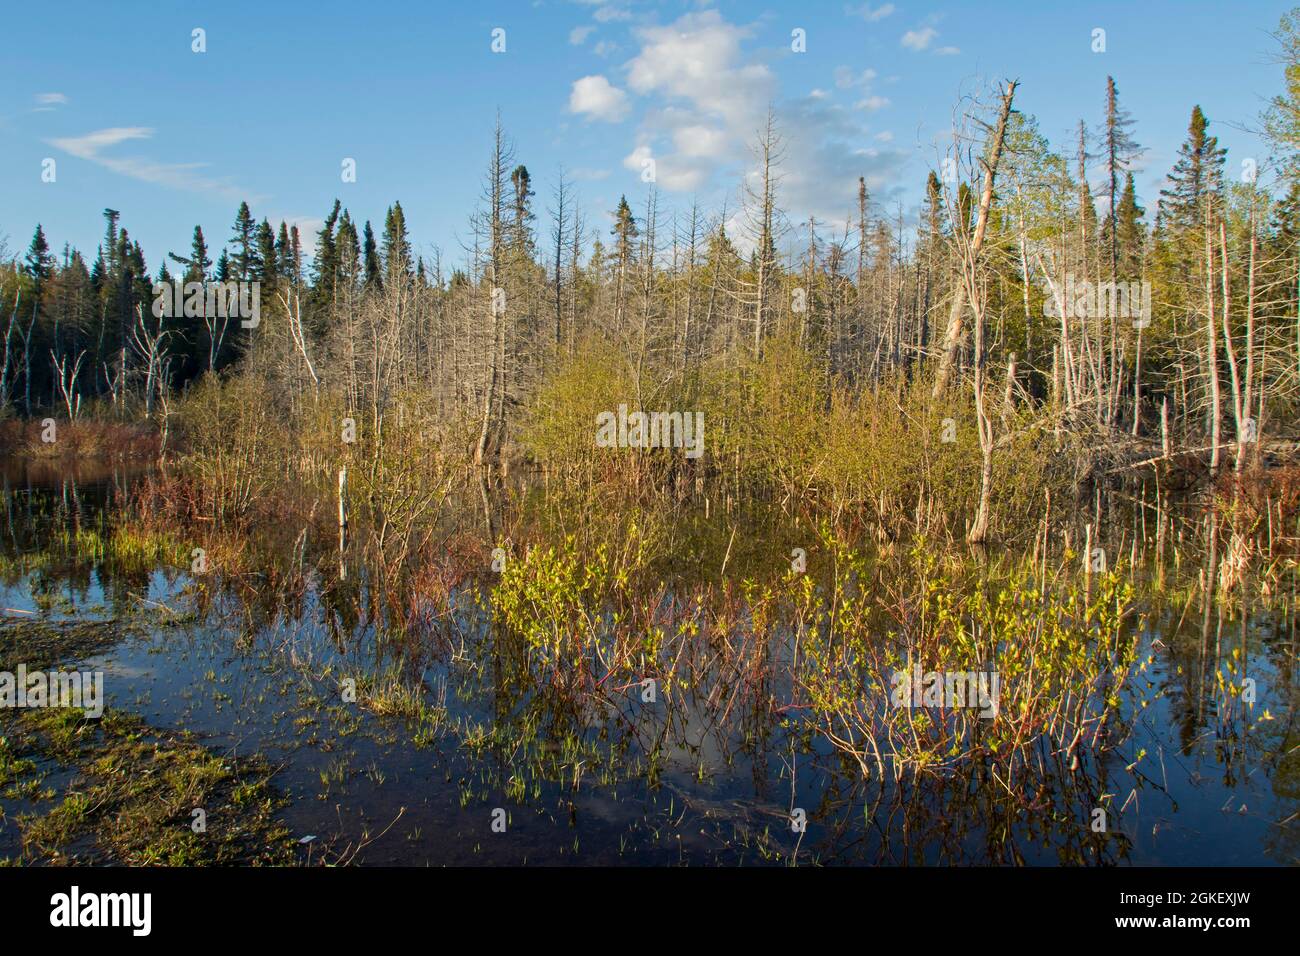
(127, 790)
(133, 792)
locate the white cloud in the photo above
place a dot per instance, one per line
(821, 165)
(700, 141)
(675, 171)
(637, 159)
(610, 13)
(871, 15)
(845, 79)
(171, 175)
(706, 101)
(947, 51)
(578, 35)
(872, 103)
(696, 59)
(51, 99)
(919, 39)
(598, 99)
(88, 146)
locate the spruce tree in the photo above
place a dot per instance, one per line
(1130, 235)
(284, 253)
(370, 252)
(265, 266)
(40, 264)
(522, 210)
(243, 261)
(111, 217)
(1120, 149)
(397, 249)
(326, 264)
(1197, 177)
(348, 252)
(198, 263)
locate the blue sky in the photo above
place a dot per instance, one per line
(139, 122)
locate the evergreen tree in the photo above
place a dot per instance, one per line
(40, 264)
(1120, 149)
(266, 269)
(349, 253)
(1130, 234)
(326, 264)
(624, 232)
(243, 262)
(521, 226)
(284, 253)
(374, 279)
(397, 249)
(198, 263)
(111, 217)
(1197, 177)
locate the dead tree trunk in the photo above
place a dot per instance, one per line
(952, 342)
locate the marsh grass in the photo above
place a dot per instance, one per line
(87, 438)
(134, 788)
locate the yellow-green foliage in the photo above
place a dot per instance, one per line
(882, 449)
(552, 598)
(561, 425)
(1060, 652)
(769, 413)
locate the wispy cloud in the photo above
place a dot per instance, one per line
(919, 39)
(611, 13)
(922, 38)
(88, 146)
(845, 78)
(872, 103)
(869, 13)
(184, 176)
(47, 102)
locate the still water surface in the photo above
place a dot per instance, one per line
(646, 784)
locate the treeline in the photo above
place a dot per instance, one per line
(1017, 276)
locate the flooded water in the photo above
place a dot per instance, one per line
(699, 777)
